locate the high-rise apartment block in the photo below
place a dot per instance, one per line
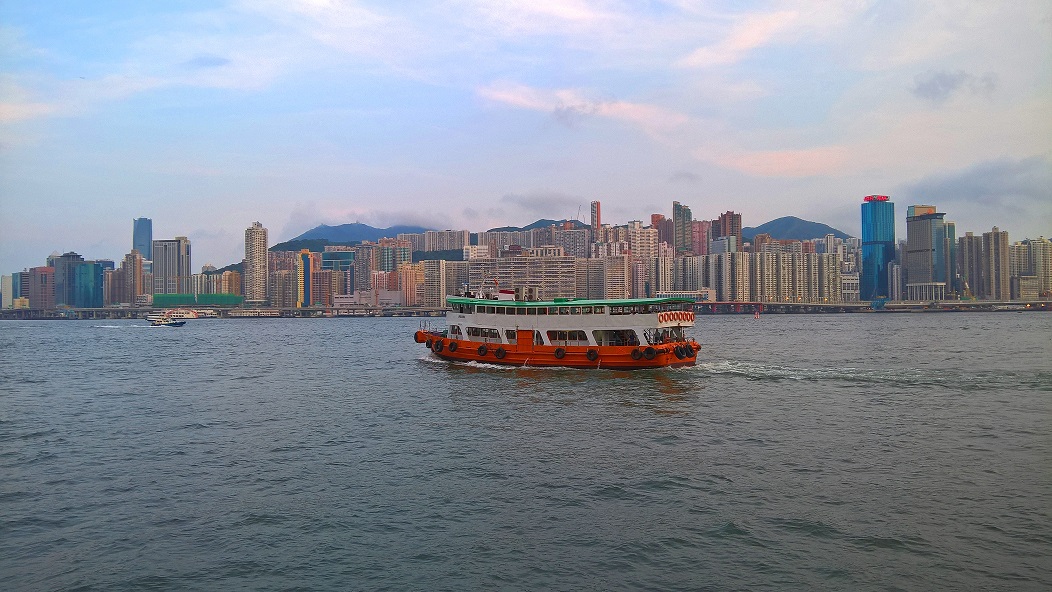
(597, 222)
(446, 240)
(878, 246)
(996, 274)
(728, 224)
(682, 232)
(257, 271)
(930, 254)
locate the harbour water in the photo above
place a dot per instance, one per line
(848, 452)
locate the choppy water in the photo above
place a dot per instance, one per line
(881, 452)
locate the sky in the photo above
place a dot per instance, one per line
(472, 114)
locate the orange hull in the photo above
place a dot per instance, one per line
(571, 356)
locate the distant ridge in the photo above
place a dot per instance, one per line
(793, 228)
(356, 232)
(577, 224)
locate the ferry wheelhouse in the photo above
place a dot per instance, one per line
(623, 334)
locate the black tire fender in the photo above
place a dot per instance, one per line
(500, 353)
(560, 353)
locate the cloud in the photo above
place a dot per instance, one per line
(751, 32)
(806, 162)
(206, 61)
(937, 87)
(684, 177)
(545, 204)
(1003, 182)
(568, 106)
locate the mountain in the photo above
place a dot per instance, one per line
(793, 228)
(356, 232)
(538, 224)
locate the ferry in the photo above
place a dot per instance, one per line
(622, 334)
(172, 313)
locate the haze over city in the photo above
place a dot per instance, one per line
(206, 116)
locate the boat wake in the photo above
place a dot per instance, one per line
(758, 371)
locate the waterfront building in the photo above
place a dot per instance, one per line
(682, 231)
(142, 237)
(878, 246)
(257, 273)
(171, 266)
(41, 289)
(282, 288)
(446, 240)
(1041, 264)
(610, 249)
(927, 263)
(603, 278)
(686, 274)
(970, 266)
(65, 266)
(7, 297)
(996, 274)
(281, 261)
(307, 265)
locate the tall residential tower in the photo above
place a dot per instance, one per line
(256, 269)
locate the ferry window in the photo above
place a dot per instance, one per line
(564, 310)
(494, 334)
(575, 310)
(454, 330)
(538, 339)
(520, 311)
(615, 310)
(599, 310)
(531, 311)
(510, 334)
(542, 311)
(553, 310)
(473, 331)
(586, 310)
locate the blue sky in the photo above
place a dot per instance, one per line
(207, 116)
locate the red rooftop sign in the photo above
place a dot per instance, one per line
(876, 198)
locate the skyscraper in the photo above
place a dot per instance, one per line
(929, 254)
(256, 269)
(597, 221)
(172, 273)
(142, 237)
(878, 246)
(682, 238)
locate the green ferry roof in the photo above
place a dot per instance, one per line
(567, 301)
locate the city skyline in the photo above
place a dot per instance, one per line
(470, 114)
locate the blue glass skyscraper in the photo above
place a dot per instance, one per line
(878, 246)
(142, 237)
